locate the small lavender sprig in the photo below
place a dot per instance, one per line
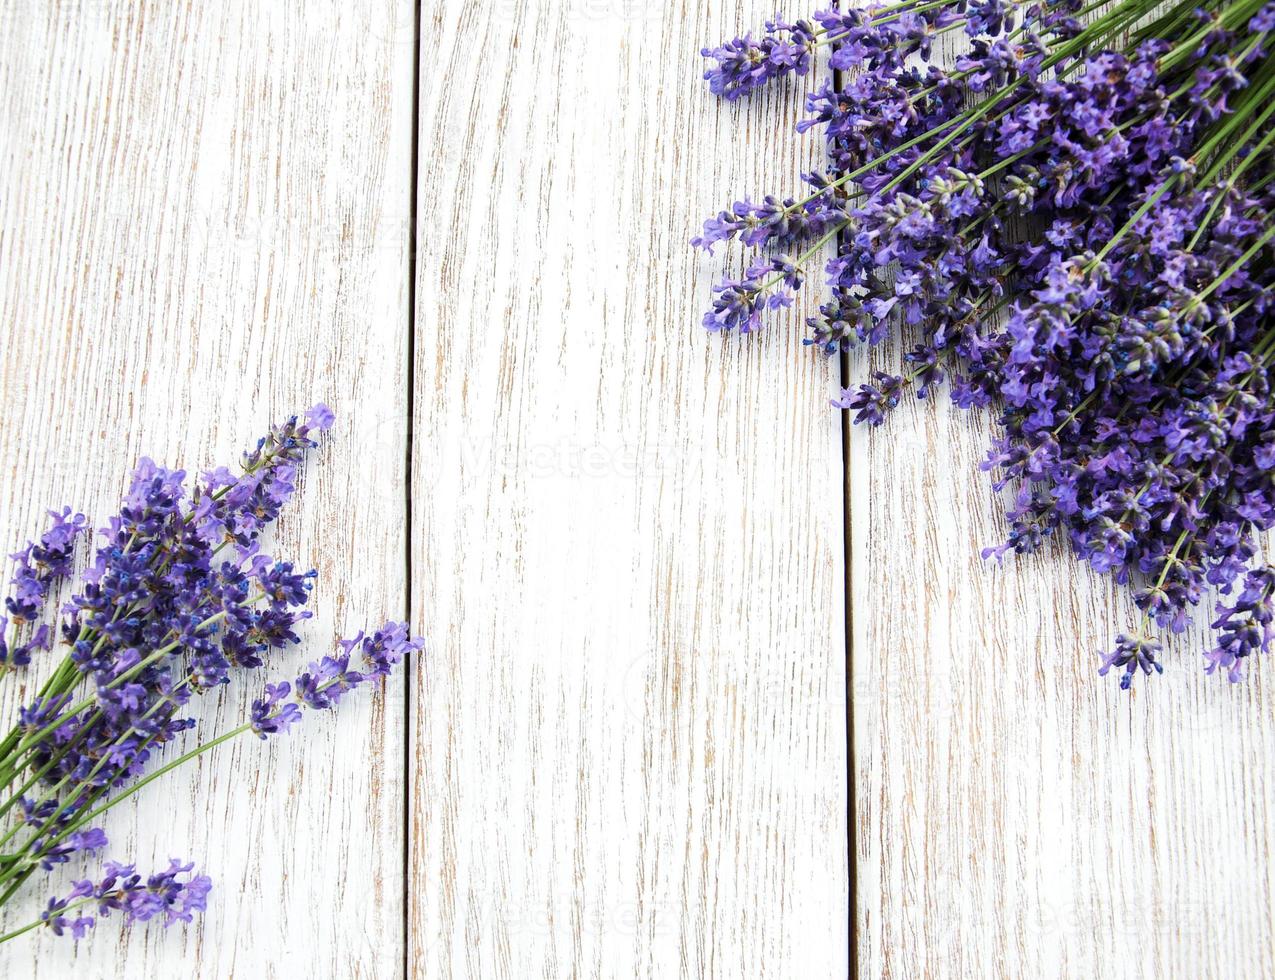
(744, 65)
(121, 889)
(39, 567)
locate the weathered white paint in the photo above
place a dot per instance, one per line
(627, 747)
(629, 740)
(203, 214)
(1017, 815)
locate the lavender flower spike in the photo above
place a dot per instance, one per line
(39, 568)
(121, 889)
(744, 65)
(325, 682)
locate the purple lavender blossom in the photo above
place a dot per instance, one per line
(1081, 237)
(325, 682)
(744, 65)
(39, 567)
(269, 715)
(122, 890)
(81, 841)
(1247, 624)
(1132, 653)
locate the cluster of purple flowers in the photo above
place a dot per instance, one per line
(1077, 236)
(744, 65)
(122, 890)
(39, 567)
(178, 598)
(327, 681)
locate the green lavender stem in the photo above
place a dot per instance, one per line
(19, 869)
(39, 922)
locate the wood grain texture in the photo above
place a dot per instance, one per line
(629, 737)
(203, 217)
(627, 745)
(1017, 815)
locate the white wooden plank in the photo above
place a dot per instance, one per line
(629, 739)
(1017, 815)
(203, 214)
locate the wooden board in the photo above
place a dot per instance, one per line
(626, 753)
(628, 750)
(1019, 816)
(1015, 814)
(203, 214)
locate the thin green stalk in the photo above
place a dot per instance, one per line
(53, 793)
(877, 161)
(1229, 186)
(35, 777)
(1169, 562)
(1239, 144)
(890, 15)
(1231, 17)
(37, 737)
(83, 818)
(1010, 161)
(1166, 25)
(1071, 416)
(1234, 266)
(39, 922)
(1226, 129)
(800, 262)
(1146, 206)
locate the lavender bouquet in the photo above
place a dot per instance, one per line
(1073, 223)
(179, 597)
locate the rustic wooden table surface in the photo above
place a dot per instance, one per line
(630, 544)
